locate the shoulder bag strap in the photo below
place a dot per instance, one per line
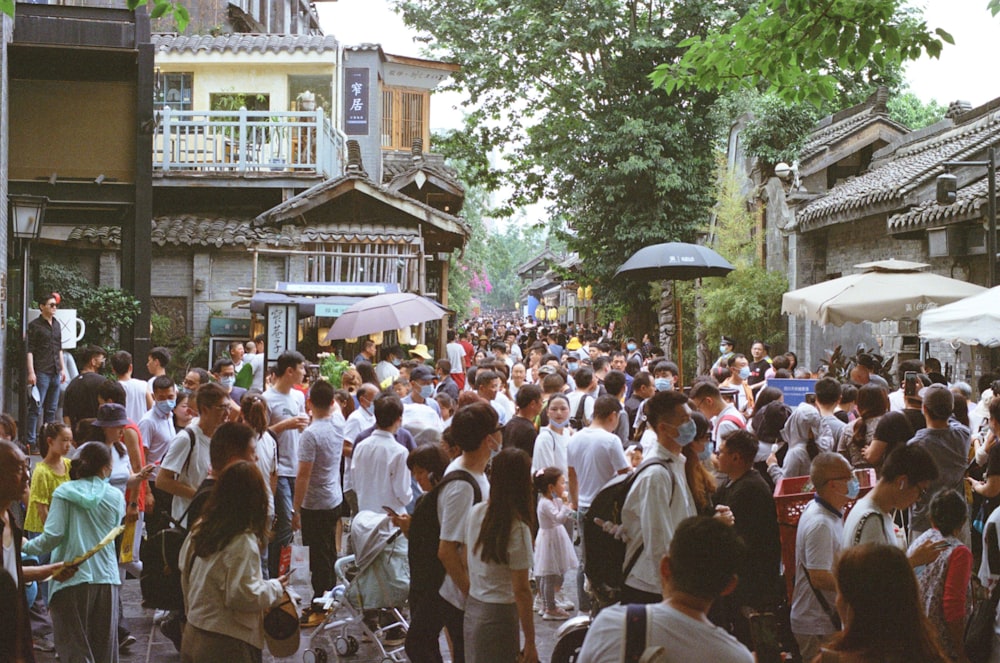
(861, 527)
(823, 603)
(635, 632)
(187, 460)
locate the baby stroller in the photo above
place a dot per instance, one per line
(376, 577)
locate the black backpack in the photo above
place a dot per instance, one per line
(160, 579)
(579, 420)
(426, 570)
(605, 564)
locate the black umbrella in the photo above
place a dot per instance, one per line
(675, 261)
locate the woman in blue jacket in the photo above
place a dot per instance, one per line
(83, 511)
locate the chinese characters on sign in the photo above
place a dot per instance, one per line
(281, 331)
(356, 101)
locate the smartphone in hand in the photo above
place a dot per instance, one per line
(390, 512)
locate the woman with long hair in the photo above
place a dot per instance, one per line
(84, 607)
(498, 543)
(879, 605)
(696, 456)
(224, 591)
(873, 402)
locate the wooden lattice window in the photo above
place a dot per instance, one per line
(405, 116)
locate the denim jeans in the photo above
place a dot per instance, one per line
(282, 522)
(48, 391)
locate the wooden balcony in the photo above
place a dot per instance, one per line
(263, 145)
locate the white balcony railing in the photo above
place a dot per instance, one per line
(219, 142)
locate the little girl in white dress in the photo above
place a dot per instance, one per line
(554, 554)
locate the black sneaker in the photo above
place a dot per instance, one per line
(173, 628)
(126, 642)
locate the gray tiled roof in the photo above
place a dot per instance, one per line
(243, 42)
(970, 203)
(395, 164)
(902, 169)
(189, 230)
(825, 136)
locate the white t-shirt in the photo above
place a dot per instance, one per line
(284, 406)
(135, 398)
(156, 430)
(866, 523)
(456, 355)
(197, 467)
(357, 421)
(574, 404)
(817, 543)
(684, 639)
(550, 451)
(596, 456)
(380, 473)
(10, 560)
(267, 463)
(454, 504)
(490, 582)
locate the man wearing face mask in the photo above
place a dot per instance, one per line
(388, 368)
(748, 496)
(726, 345)
(420, 410)
(665, 375)
(224, 370)
(632, 347)
(381, 477)
(739, 373)
(814, 618)
(358, 421)
(156, 428)
(659, 499)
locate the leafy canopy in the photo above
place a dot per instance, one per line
(794, 48)
(562, 87)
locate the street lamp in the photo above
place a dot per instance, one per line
(947, 193)
(27, 213)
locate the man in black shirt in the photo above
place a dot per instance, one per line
(748, 495)
(520, 430)
(46, 369)
(80, 401)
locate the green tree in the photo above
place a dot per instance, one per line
(562, 88)
(911, 112)
(795, 48)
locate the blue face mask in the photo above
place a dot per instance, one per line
(853, 488)
(572, 366)
(745, 372)
(686, 433)
(396, 362)
(427, 391)
(706, 453)
(663, 384)
(723, 349)
(630, 347)
(370, 409)
(228, 382)
(557, 425)
(165, 407)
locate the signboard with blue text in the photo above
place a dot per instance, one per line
(356, 84)
(794, 390)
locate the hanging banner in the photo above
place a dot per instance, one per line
(356, 84)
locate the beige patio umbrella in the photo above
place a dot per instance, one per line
(884, 290)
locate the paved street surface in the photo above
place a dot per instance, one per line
(153, 647)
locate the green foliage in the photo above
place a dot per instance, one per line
(105, 310)
(795, 48)
(731, 232)
(561, 87)
(332, 369)
(746, 304)
(911, 112)
(778, 129)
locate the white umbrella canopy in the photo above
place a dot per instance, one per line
(973, 321)
(384, 312)
(886, 290)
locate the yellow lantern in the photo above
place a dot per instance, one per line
(579, 292)
(562, 311)
(553, 314)
(588, 292)
(351, 340)
(376, 338)
(540, 313)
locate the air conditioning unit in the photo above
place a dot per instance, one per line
(956, 241)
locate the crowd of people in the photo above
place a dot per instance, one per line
(489, 459)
